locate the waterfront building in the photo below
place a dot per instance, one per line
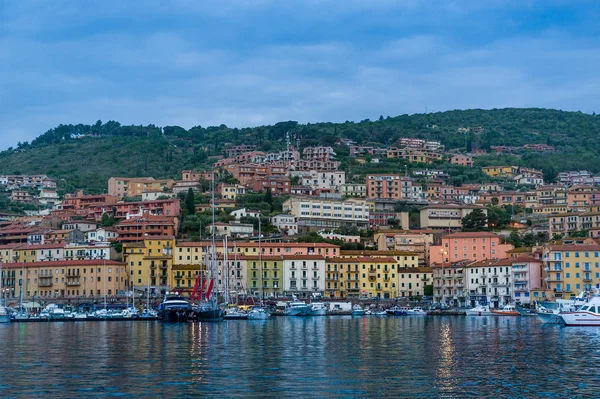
(476, 246)
(571, 268)
(303, 275)
(150, 262)
(449, 283)
(65, 278)
(489, 281)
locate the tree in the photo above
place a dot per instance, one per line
(107, 220)
(475, 221)
(495, 201)
(190, 203)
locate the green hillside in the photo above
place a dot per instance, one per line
(110, 149)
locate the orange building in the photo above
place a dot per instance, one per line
(475, 246)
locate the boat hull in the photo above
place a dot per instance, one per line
(318, 312)
(4, 318)
(298, 311)
(258, 316)
(581, 319)
(472, 312)
(550, 318)
(174, 316)
(503, 313)
(209, 315)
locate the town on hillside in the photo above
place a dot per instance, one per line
(294, 223)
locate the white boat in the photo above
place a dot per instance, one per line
(258, 313)
(21, 315)
(296, 308)
(318, 309)
(507, 310)
(357, 310)
(235, 314)
(479, 310)
(80, 316)
(149, 314)
(4, 317)
(587, 315)
(417, 311)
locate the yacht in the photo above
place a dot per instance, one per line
(235, 314)
(357, 310)
(4, 317)
(587, 315)
(416, 311)
(397, 311)
(479, 310)
(174, 309)
(258, 313)
(296, 308)
(507, 310)
(149, 314)
(318, 309)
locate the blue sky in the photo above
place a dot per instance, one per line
(254, 62)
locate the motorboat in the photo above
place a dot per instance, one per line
(258, 313)
(479, 310)
(4, 316)
(149, 314)
(296, 308)
(208, 311)
(235, 314)
(21, 315)
(416, 311)
(588, 315)
(357, 310)
(507, 310)
(397, 311)
(174, 309)
(317, 309)
(376, 313)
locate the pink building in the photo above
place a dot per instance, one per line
(463, 160)
(476, 246)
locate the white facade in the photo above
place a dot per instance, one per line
(81, 226)
(240, 213)
(303, 275)
(490, 281)
(322, 212)
(286, 224)
(101, 234)
(331, 180)
(87, 251)
(232, 229)
(333, 236)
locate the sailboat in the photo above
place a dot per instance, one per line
(22, 314)
(209, 310)
(259, 312)
(4, 317)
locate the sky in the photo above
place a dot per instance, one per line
(256, 62)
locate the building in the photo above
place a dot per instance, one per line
(136, 186)
(446, 217)
(501, 171)
(327, 213)
(570, 269)
(232, 229)
(236, 150)
(247, 171)
(303, 275)
(287, 224)
(416, 241)
(147, 227)
(80, 225)
(21, 196)
(318, 154)
(389, 187)
(414, 155)
(150, 263)
(102, 234)
(230, 191)
(321, 180)
(476, 246)
(527, 277)
(490, 281)
(463, 160)
(277, 185)
(449, 283)
(240, 213)
(579, 198)
(357, 190)
(128, 210)
(63, 236)
(64, 279)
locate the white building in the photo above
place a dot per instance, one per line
(81, 226)
(95, 250)
(323, 180)
(287, 224)
(232, 229)
(240, 213)
(49, 198)
(332, 236)
(102, 234)
(303, 275)
(490, 281)
(327, 213)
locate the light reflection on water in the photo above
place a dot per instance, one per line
(313, 357)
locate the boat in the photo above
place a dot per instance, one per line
(235, 314)
(376, 313)
(357, 310)
(587, 316)
(397, 311)
(507, 310)
(258, 313)
(149, 314)
(296, 308)
(174, 309)
(479, 310)
(416, 311)
(21, 313)
(317, 309)
(4, 316)
(210, 310)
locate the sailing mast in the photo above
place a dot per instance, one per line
(262, 283)
(225, 272)
(214, 229)
(104, 273)
(22, 286)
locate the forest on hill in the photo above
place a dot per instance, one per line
(85, 156)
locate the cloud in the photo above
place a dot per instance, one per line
(251, 63)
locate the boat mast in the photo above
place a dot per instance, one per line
(22, 286)
(104, 273)
(225, 272)
(262, 293)
(1, 278)
(237, 294)
(214, 228)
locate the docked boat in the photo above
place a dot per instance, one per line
(4, 317)
(149, 314)
(258, 313)
(479, 310)
(174, 309)
(507, 310)
(296, 308)
(317, 309)
(21, 315)
(357, 310)
(235, 314)
(588, 315)
(397, 311)
(416, 311)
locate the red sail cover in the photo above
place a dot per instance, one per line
(210, 288)
(196, 284)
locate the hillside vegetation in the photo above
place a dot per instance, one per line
(85, 156)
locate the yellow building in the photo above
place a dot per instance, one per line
(571, 268)
(265, 276)
(71, 278)
(342, 277)
(500, 171)
(150, 263)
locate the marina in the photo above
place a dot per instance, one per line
(428, 357)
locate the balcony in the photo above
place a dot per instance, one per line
(177, 277)
(164, 267)
(587, 280)
(316, 278)
(73, 283)
(45, 283)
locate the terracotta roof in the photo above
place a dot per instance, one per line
(575, 247)
(87, 262)
(493, 262)
(526, 259)
(473, 234)
(452, 206)
(34, 247)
